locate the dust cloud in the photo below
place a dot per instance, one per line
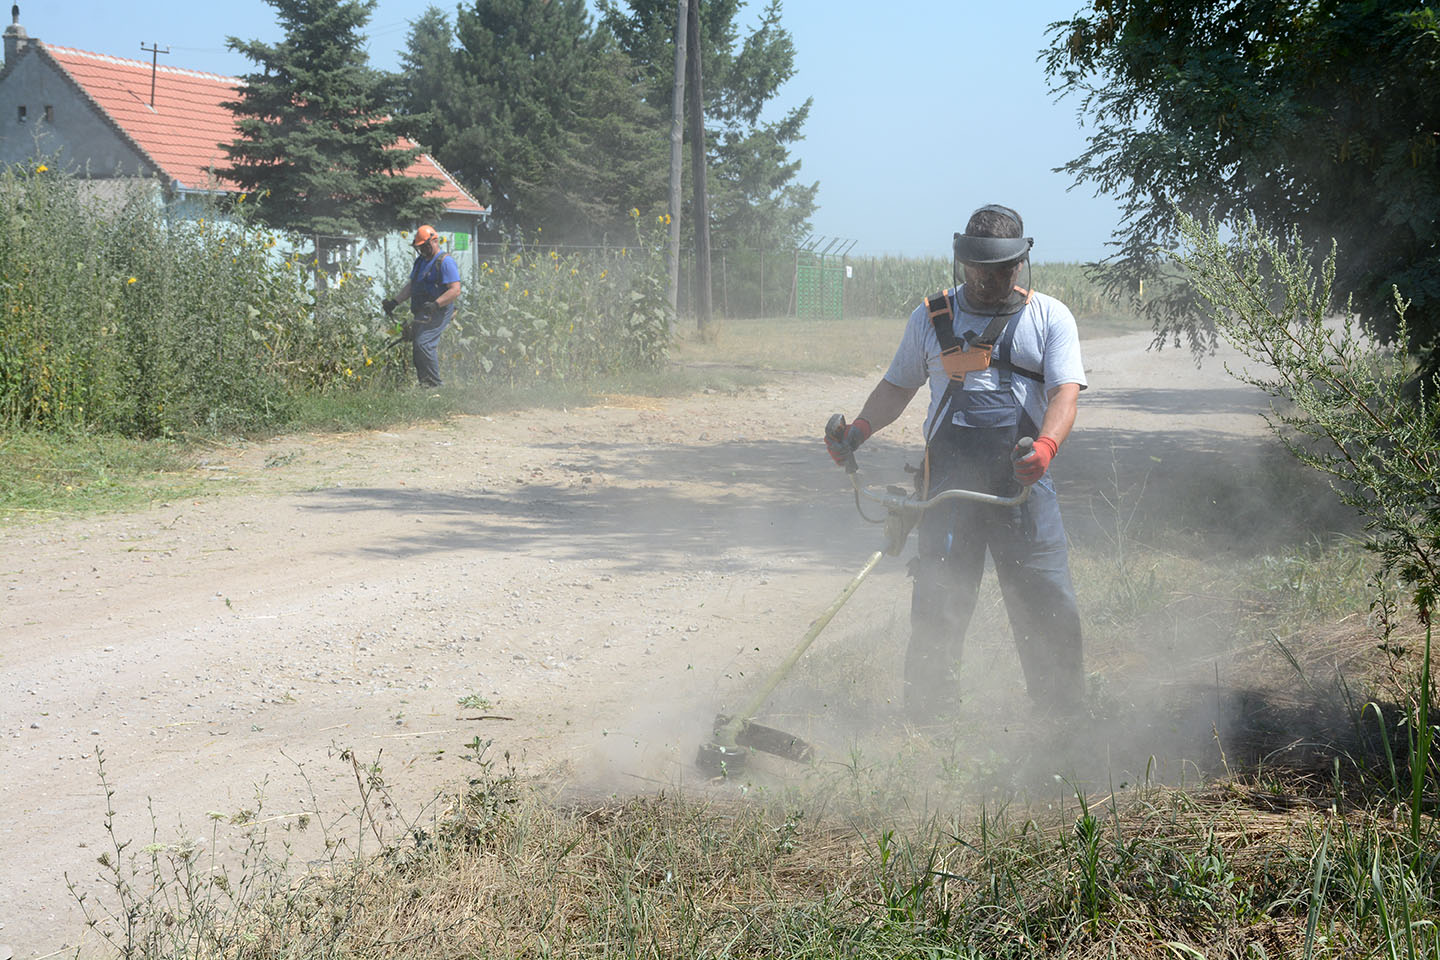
(1191, 531)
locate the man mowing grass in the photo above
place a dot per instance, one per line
(433, 289)
(1003, 362)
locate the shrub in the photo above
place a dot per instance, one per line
(142, 318)
(123, 317)
(551, 314)
(1348, 407)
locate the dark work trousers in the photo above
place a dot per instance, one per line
(1028, 546)
(426, 348)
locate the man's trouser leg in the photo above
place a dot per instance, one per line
(1032, 564)
(947, 581)
(426, 352)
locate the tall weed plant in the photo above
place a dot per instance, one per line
(124, 314)
(1344, 404)
(119, 316)
(545, 313)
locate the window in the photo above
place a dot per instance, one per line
(49, 113)
(20, 114)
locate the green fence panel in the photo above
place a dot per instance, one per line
(819, 287)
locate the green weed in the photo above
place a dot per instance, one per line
(48, 474)
(143, 319)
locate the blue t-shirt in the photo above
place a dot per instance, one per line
(429, 278)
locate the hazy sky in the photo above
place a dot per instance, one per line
(923, 109)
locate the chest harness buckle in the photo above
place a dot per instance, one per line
(974, 351)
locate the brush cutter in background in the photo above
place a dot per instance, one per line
(405, 328)
(735, 736)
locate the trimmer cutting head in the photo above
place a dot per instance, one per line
(718, 758)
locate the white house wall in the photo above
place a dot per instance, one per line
(392, 256)
(76, 133)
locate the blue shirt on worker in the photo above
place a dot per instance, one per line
(430, 277)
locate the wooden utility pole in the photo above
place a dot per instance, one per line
(701, 206)
(677, 138)
(154, 51)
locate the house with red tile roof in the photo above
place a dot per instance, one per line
(111, 118)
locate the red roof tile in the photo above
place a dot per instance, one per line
(183, 133)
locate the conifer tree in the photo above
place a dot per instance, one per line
(536, 111)
(317, 143)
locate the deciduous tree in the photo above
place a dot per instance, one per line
(1320, 113)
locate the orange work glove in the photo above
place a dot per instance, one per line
(1029, 469)
(841, 440)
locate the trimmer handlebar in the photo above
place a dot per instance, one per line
(894, 498)
(903, 509)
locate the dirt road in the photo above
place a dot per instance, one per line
(606, 577)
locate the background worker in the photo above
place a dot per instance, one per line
(433, 289)
(1002, 362)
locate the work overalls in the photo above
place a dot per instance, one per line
(425, 286)
(970, 445)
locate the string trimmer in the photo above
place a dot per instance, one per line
(403, 330)
(735, 736)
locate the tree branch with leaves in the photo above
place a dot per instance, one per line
(1343, 403)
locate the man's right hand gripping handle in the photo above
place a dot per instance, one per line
(841, 439)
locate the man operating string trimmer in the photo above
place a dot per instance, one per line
(1003, 362)
(432, 291)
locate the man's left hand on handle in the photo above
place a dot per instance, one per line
(1029, 469)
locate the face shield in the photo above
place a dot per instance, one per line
(987, 267)
(991, 279)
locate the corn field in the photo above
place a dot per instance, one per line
(894, 286)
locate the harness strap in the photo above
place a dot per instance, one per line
(941, 318)
(998, 323)
(997, 337)
(1003, 362)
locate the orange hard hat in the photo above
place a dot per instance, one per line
(423, 234)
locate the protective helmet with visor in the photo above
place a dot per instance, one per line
(423, 235)
(995, 253)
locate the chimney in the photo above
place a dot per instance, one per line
(16, 39)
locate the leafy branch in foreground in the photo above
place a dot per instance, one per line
(1347, 407)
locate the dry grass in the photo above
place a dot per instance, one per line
(506, 873)
(918, 849)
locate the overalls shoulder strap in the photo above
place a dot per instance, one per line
(1002, 356)
(428, 274)
(942, 318)
(423, 281)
